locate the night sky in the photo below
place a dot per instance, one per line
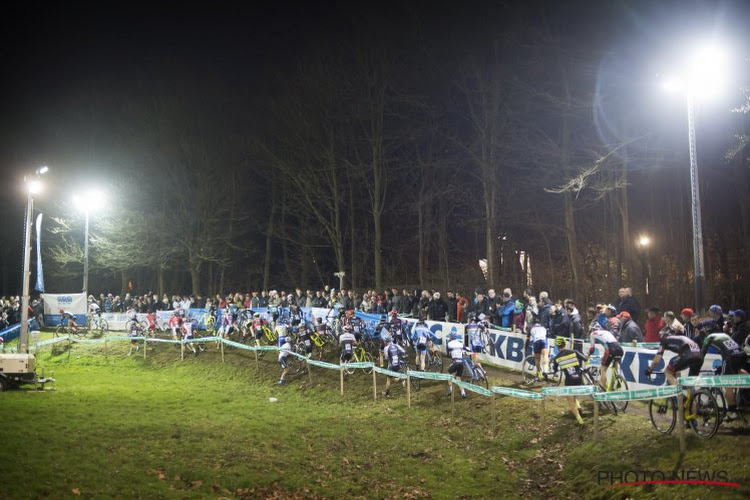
(64, 66)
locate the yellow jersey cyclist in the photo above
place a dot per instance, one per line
(612, 350)
(570, 363)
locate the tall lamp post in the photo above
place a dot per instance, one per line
(90, 199)
(700, 76)
(33, 186)
(644, 242)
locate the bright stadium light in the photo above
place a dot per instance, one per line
(90, 199)
(34, 186)
(644, 240)
(702, 74)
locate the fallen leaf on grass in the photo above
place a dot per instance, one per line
(162, 477)
(76, 491)
(196, 484)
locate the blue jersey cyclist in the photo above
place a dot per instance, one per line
(475, 332)
(285, 345)
(456, 353)
(393, 353)
(423, 340)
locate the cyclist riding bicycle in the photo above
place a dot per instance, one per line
(688, 356)
(396, 328)
(226, 326)
(423, 340)
(286, 348)
(295, 315)
(537, 337)
(303, 336)
(69, 319)
(257, 327)
(187, 335)
(474, 331)
(612, 350)
(358, 327)
(569, 362)
(382, 331)
(94, 309)
(175, 324)
(732, 360)
(456, 353)
(393, 353)
(347, 341)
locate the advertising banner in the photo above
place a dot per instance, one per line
(71, 302)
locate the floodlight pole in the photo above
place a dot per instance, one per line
(86, 257)
(23, 338)
(699, 277)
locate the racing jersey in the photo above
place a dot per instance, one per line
(131, 314)
(94, 308)
(304, 337)
(187, 327)
(569, 362)
(257, 324)
(357, 325)
(295, 317)
(474, 332)
(538, 332)
(347, 342)
(422, 334)
(175, 321)
(603, 337)
(679, 344)
(456, 350)
(285, 348)
(724, 343)
(396, 328)
(393, 353)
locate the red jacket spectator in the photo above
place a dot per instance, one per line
(654, 324)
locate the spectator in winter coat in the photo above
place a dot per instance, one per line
(544, 309)
(629, 329)
(628, 303)
(672, 325)
(452, 307)
(507, 307)
(437, 308)
(576, 322)
(654, 325)
(738, 327)
(494, 305)
(481, 304)
(519, 316)
(559, 324)
(532, 310)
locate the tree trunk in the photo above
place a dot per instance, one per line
(195, 276)
(443, 268)
(269, 239)
(123, 283)
(160, 280)
(420, 232)
(570, 229)
(354, 268)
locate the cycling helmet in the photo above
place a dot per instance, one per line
(61, 311)
(560, 341)
(256, 315)
(348, 328)
(481, 317)
(394, 312)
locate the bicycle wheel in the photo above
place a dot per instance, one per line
(721, 401)
(704, 412)
(103, 326)
(607, 405)
(434, 363)
(528, 370)
(60, 331)
(663, 413)
(367, 358)
(481, 377)
(620, 384)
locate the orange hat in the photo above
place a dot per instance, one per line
(624, 315)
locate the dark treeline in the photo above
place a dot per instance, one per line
(402, 156)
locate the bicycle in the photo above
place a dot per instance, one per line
(65, 330)
(476, 372)
(590, 377)
(701, 412)
(433, 361)
(209, 323)
(360, 355)
(529, 372)
(616, 382)
(136, 325)
(742, 399)
(97, 323)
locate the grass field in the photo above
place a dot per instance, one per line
(125, 427)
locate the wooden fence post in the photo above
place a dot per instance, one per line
(257, 367)
(222, 350)
(681, 422)
(544, 419)
(182, 350)
(341, 372)
(374, 385)
(408, 390)
(453, 399)
(596, 419)
(144, 347)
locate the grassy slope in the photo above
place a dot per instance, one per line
(128, 427)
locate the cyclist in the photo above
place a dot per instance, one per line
(569, 362)
(474, 331)
(304, 338)
(537, 336)
(257, 327)
(187, 335)
(175, 323)
(358, 326)
(456, 352)
(393, 353)
(385, 336)
(396, 328)
(423, 340)
(347, 341)
(688, 356)
(286, 347)
(226, 324)
(69, 319)
(295, 315)
(282, 333)
(151, 321)
(612, 350)
(732, 360)
(94, 310)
